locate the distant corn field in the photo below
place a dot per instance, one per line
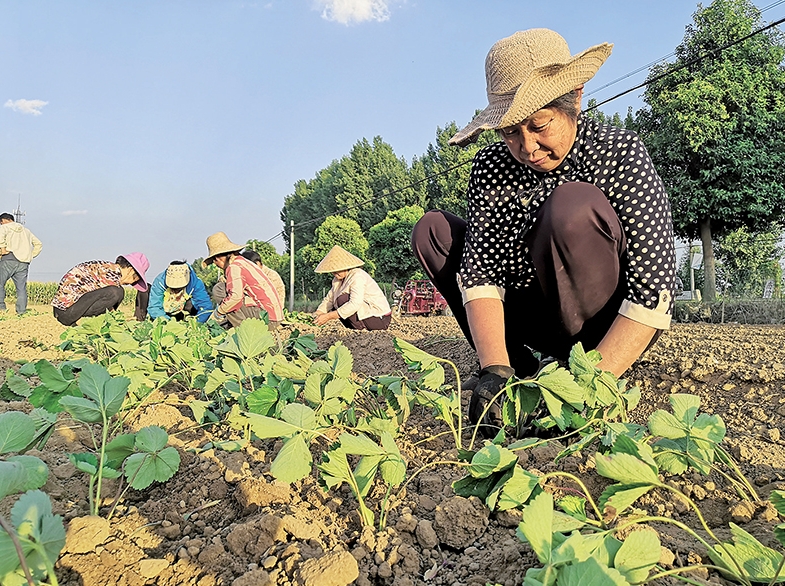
(43, 293)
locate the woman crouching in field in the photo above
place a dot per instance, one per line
(96, 286)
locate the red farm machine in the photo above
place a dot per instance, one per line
(420, 297)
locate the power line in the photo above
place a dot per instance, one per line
(708, 54)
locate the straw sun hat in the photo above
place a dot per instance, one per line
(177, 275)
(219, 243)
(526, 71)
(338, 259)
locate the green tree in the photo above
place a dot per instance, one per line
(594, 113)
(390, 244)
(334, 230)
(747, 261)
(270, 256)
(448, 169)
(208, 274)
(715, 128)
(356, 183)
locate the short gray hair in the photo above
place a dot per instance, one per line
(567, 104)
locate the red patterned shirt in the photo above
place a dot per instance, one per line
(247, 284)
(83, 278)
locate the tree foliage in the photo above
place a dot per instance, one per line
(747, 261)
(446, 189)
(354, 187)
(390, 244)
(715, 127)
(334, 230)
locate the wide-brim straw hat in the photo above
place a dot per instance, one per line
(177, 276)
(219, 243)
(527, 71)
(338, 259)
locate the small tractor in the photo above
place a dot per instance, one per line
(420, 297)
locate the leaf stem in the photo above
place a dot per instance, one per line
(18, 547)
(585, 490)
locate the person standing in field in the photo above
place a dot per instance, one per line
(354, 297)
(18, 246)
(568, 236)
(177, 293)
(96, 286)
(246, 291)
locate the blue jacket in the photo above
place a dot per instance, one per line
(195, 288)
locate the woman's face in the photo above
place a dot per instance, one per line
(340, 275)
(128, 276)
(543, 140)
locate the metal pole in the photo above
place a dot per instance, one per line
(291, 266)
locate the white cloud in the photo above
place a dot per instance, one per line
(354, 11)
(74, 212)
(26, 106)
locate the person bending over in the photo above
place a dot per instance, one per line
(568, 236)
(177, 293)
(354, 297)
(96, 286)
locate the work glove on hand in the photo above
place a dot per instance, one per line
(492, 380)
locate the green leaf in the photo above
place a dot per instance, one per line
(517, 489)
(17, 385)
(573, 505)
(360, 445)
(293, 462)
(119, 449)
(17, 431)
(479, 487)
(262, 400)
(393, 467)
(82, 409)
(299, 415)
(555, 408)
(142, 469)
(312, 391)
(92, 380)
(433, 378)
(777, 499)
(341, 360)
(759, 562)
(113, 394)
(340, 387)
(590, 572)
(365, 472)
(36, 471)
(87, 463)
(663, 424)
(415, 358)
(334, 469)
(536, 525)
(626, 469)
(43, 532)
(13, 478)
(561, 383)
(253, 338)
(51, 377)
(617, 498)
(639, 553)
(685, 407)
(269, 427)
(151, 439)
(491, 458)
(199, 409)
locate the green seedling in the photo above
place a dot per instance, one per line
(103, 397)
(31, 542)
(385, 458)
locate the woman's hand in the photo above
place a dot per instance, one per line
(320, 318)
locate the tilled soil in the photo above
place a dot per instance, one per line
(223, 520)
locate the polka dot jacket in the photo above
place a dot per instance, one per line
(504, 196)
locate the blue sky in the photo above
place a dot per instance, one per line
(149, 125)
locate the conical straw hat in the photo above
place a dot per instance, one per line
(338, 259)
(219, 243)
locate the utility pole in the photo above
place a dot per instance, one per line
(19, 215)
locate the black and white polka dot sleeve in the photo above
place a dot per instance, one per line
(638, 196)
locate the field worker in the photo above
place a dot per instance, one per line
(354, 297)
(177, 293)
(96, 286)
(18, 246)
(568, 236)
(246, 290)
(271, 273)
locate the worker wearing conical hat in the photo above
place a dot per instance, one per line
(354, 297)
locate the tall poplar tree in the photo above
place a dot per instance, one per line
(715, 128)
